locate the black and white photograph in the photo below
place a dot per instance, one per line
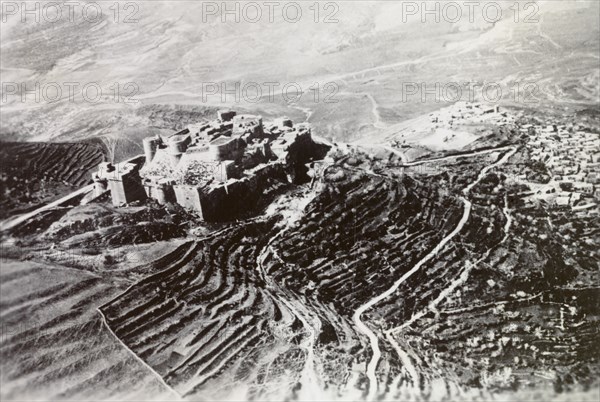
(293, 201)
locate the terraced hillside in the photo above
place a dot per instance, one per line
(210, 312)
(359, 232)
(503, 307)
(36, 173)
(53, 344)
(266, 306)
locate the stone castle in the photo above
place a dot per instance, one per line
(214, 168)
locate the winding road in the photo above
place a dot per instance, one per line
(364, 329)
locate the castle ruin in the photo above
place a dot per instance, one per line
(213, 168)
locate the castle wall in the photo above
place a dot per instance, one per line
(189, 197)
(239, 149)
(150, 146)
(225, 148)
(240, 196)
(162, 192)
(225, 170)
(248, 124)
(100, 185)
(295, 150)
(178, 144)
(123, 180)
(126, 190)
